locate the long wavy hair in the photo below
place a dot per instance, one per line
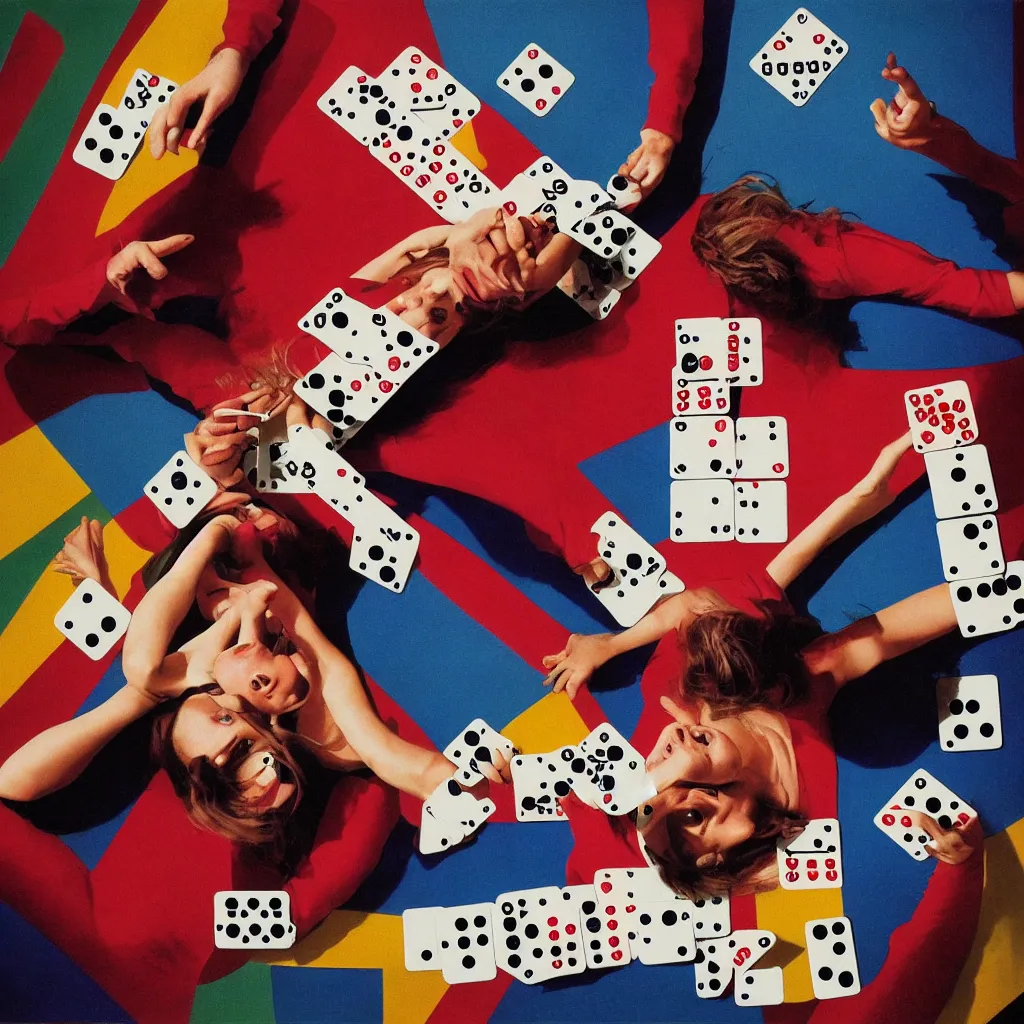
(737, 661)
(213, 797)
(735, 238)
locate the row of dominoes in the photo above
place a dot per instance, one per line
(708, 450)
(986, 590)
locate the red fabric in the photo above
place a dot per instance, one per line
(933, 944)
(558, 392)
(248, 26)
(851, 260)
(676, 47)
(34, 53)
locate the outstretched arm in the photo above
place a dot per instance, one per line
(408, 767)
(864, 500)
(392, 260)
(909, 121)
(572, 667)
(863, 645)
(56, 757)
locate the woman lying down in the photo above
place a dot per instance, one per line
(236, 716)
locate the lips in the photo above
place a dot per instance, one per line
(474, 290)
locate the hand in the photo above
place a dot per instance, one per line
(647, 164)
(594, 572)
(122, 265)
(906, 122)
(573, 666)
(498, 772)
(953, 846)
(82, 556)
(872, 494)
(216, 85)
(218, 442)
(258, 596)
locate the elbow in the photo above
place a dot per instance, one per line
(15, 785)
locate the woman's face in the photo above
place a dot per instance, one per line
(706, 823)
(705, 755)
(270, 682)
(211, 726)
(698, 769)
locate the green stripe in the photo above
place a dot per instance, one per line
(245, 997)
(89, 28)
(24, 565)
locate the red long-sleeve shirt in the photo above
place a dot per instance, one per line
(926, 953)
(674, 54)
(248, 26)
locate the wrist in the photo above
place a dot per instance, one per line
(229, 53)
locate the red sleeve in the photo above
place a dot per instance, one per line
(35, 318)
(356, 824)
(676, 44)
(248, 26)
(853, 260)
(925, 957)
(599, 841)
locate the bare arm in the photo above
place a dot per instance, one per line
(201, 652)
(552, 263)
(389, 262)
(145, 658)
(863, 645)
(406, 766)
(56, 757)
(572, 667)
(865, 499)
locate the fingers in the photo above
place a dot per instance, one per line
(908, 86)
(556, 679)
(173, 243)
(878, 111)
(631, 161)
(573, 686)
(551, 660)
(148, 261)
(211, 109)
(157, 132)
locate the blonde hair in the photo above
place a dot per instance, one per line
(735, 238)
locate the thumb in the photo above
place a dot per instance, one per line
(878, 111)
(173, 243)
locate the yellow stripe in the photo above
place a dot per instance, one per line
(36, 486)
(176, 45)
(31, 637)
(992, 976)
(550, 723)
(464, 140)
(785, 912)
(350, 938)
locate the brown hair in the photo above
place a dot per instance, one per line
(735, 239)
(213, 798)
(737, 869)
(737, 661)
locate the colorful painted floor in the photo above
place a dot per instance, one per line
(72, 464)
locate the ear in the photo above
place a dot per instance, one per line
(683, 715)
(710, 860)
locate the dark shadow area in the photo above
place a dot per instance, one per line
(986, 209)
(389, 872)
(802, 590)
(499, 532)
(889, 716)
(221, 142)
(682, 181)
